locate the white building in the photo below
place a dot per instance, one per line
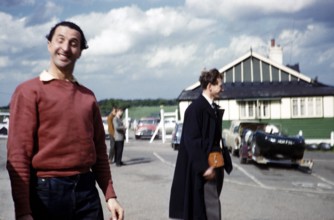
(262, 88)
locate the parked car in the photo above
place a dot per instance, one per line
(176, 135)
(146, 128)
(4, 123)
(324, 146)
(169, 125)
(265, 147)
(232, 136)
(311, 147)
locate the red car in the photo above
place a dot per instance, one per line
(146, 128)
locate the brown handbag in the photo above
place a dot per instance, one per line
(216, 159)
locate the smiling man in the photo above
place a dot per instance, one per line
(56, 142)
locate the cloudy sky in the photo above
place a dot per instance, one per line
(155, 48)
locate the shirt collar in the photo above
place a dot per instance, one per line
(45, 76)
(207, 98)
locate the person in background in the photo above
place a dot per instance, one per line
(119, 136)
(56, 142)
(196, 185)
(111, 131)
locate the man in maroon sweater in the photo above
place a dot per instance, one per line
(56, 141)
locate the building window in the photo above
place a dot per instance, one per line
(250, 109)
(265, 110)
(294, 107)
(310, 106)
(318, 106)
(254, 109)
(302, 107)
(247, 109)
(307, 107)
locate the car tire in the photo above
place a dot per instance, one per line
(243, 160)
(4, 131)
(235, 152)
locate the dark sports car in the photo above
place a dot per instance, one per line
(267, 147)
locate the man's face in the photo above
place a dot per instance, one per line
(119, 113)
(64, 48)
(215, 90)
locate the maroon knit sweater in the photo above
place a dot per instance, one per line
(56, 127)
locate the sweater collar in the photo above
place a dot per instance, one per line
(45, 76)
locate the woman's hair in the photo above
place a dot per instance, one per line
(71, 25)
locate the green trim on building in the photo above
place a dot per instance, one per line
(312, 128)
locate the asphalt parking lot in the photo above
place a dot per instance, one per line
(250, 192)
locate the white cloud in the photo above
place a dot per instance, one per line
(15, 37)
(110, 42)
(156, 51)
(4, 61)
(242, 44)
(235, 8)
(177, 55)
(120, 30)
(300, 43)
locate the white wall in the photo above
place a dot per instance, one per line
(328, 103)
(280, 109)
(224, 105)
(286, 108)
(182, 107)
(234, 110)
(275, 109)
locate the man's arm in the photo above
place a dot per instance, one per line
(20, 144)
(193, 139)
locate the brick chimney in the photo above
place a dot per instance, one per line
(275, 52)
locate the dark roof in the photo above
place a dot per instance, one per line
(265, 90)
(253, 77)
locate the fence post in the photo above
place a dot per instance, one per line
(300, 133)
(162, 121)
(127, 125)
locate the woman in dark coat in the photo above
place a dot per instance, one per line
(201, 132)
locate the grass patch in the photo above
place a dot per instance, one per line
(149, 111)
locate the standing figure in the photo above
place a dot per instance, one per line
(196, 185)
(119, 136)
(111, 131)
(56, 142)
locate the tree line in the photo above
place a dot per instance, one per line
(107, 104)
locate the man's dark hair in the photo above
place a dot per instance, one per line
(209, 76)
(71, 25)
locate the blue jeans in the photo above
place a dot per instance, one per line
(66, 198)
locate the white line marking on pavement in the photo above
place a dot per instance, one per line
(252, 177)
(260, 184)
(323, 179)
(163, 160)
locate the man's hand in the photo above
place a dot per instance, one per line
(210, 173)
(117, 212)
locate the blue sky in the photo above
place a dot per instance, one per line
(156, 48)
